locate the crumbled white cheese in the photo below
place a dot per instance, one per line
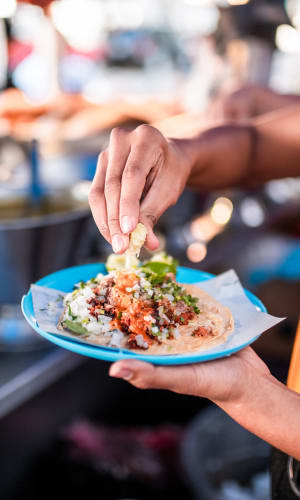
(116, 339)
(79, 307)
(94, 327)
(140, 342)
(145, 283)
(87, 292)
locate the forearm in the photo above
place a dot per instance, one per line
(271, 411)
(241, 155)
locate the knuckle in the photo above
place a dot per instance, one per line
(117, 133)
(112, 183)
(113, 223)
(128, 203)
(146, 131)
(103, 229)
(150, 217)
(103, 157)
(132, 169)
(143, 129)
(94, 194)
(159, 156)
(141, 383)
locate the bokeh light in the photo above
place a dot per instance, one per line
(288, 39)
(221, 210)
(196, 251)
(252, 212)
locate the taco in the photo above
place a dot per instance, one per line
(144, 309)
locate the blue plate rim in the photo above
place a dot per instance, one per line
(110, 354)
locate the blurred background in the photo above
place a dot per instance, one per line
(70, 71)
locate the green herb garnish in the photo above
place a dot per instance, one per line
(159, 267)
(75, 327)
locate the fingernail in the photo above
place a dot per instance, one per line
(124, 374)
(127, 224)
(117, 243)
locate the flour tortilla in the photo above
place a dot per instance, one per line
(213, 315)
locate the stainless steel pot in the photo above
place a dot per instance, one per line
(33, 247)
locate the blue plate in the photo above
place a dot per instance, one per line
(64, 280)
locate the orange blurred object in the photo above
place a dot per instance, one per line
(196, 251)
(40, 3)
(293, 381)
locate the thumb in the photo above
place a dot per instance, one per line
(181, 379)
(149, 221)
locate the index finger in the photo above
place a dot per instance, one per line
(96, 196)
(118, 153)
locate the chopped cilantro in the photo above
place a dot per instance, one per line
(119, 315)
(156, 279)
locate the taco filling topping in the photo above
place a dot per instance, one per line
(146, 305)
(141, 306)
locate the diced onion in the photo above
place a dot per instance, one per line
(176, 333)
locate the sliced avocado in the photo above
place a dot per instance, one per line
(75, 327)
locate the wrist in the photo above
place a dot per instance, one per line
(225, 157)
(247, 391)
(183, 149)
